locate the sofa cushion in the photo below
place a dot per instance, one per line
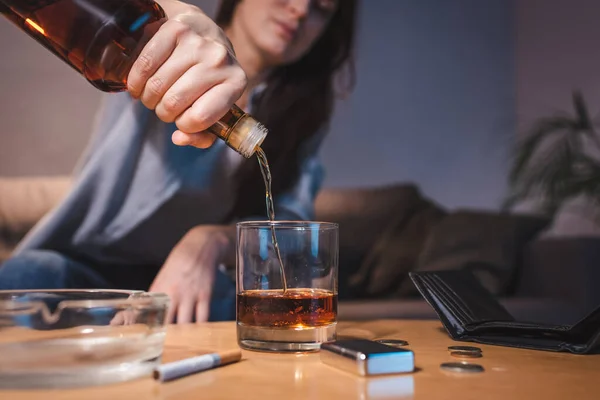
(490, 244)
(363, 215)
(395, 251)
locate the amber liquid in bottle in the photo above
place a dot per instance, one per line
(101, 39)
(304, 308)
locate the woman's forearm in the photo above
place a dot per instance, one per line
(229, 252)
(221, 237)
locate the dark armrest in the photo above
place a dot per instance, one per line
(566, 269)
(23, 201)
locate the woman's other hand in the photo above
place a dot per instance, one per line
(187, 73)
(188, 274)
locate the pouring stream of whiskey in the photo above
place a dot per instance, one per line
(266, 173)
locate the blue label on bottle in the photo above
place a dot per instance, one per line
(139, 22)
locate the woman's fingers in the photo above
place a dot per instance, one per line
(172, 311)
(167, 74)
(209, 108)
(201, 140)
(154, 54)
(185, 312)
(192, 85)
(188, 77)
(202, 309)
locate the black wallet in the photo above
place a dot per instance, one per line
(470, 313)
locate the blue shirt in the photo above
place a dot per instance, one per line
(136, 194)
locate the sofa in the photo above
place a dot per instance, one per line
(388, 231)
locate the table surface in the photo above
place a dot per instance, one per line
(509, 373)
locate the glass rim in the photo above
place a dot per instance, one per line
(138, 298)
(288, 224)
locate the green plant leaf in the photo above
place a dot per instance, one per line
(587, 125)
(542, 130)
(552, 165)
(581, 112)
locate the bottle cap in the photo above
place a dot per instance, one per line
(247, 135)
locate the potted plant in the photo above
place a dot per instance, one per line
(557, 161)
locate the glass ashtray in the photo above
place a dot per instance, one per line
(65, 338)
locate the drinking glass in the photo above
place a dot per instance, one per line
(296, 310)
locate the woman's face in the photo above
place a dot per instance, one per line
(283, 30)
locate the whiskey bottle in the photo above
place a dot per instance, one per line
(101, 40)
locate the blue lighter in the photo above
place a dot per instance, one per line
(366, 358)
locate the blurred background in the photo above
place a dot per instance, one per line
(445, 90)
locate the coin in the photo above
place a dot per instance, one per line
(466, 354)
(393, 342)
(464, 348)
(461, 367)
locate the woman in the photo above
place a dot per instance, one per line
(145, 214)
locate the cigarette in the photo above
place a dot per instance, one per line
(188, 366)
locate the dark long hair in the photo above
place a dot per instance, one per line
(297, 102)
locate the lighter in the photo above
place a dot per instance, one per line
(367, 358)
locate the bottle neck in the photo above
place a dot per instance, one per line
(240, 131)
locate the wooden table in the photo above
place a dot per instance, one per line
(509, 373)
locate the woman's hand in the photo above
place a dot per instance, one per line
(188, 274)
(187, 73)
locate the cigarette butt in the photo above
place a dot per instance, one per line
(192, 365)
